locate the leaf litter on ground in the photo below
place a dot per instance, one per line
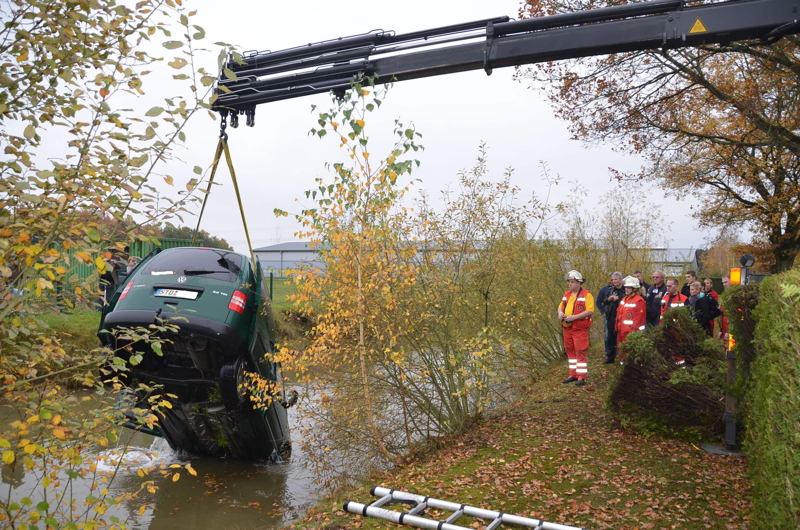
(558, 455)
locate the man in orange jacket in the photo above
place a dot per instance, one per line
(575, 314)
(673, 298)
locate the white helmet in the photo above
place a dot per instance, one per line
(630, 281)
(575, 275)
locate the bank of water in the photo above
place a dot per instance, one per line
(225, 494)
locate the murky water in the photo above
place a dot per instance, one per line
(225, 494)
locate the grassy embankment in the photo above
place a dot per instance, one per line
(282, 287)
(77, 330)
(559, 456)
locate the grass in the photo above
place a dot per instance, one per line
(77, 330)
(281, 288)
(558, 455)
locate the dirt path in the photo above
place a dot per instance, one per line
(558, 456)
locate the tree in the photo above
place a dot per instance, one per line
(720, 257)
(77, 177)
(74, 70)
(403, 346)
(718, 124)
(203, 237)
(357, 300)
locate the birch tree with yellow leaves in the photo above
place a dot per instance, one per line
(357, 300)
(409, 334)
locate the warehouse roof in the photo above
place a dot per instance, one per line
(290, 246)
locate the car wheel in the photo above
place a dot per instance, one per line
(232, 378)
(286, 451)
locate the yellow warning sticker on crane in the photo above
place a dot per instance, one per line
(698, 27)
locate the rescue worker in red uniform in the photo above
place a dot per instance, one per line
(575, 314)
(673, 298)
(632, 310)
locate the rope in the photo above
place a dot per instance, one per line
(224, 143)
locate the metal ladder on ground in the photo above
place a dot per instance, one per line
(414, 517)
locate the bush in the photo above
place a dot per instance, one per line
(683, 399)
(773, 405)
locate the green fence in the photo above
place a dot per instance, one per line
(79, 272)
(143, 248)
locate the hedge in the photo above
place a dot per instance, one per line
(772, 404)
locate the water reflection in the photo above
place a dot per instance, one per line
(224, 494)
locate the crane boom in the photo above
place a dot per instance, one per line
(263, 77)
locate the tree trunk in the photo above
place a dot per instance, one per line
(785, 250)
(362, 357)
(784, 260)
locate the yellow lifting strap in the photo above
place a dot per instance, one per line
(222, 147)
(208, 190)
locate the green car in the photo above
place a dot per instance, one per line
(218, 301)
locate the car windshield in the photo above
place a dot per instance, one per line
(209, 263)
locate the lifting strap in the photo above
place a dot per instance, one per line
(414, 517)
(222, 147)
(208, 190)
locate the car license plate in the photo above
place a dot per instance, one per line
(175, 293)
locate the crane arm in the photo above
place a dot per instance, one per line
(263, 77)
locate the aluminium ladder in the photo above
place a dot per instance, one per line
(421, 502)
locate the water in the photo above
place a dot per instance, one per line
(225, 494)
(228, 493)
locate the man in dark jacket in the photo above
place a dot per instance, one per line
(109, 280)
(600, 302)
(691, 277)
(615, 293)
(639, 276)
(654, 294)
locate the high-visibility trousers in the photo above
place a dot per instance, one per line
(576, 342)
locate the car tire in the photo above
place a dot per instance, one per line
(231, 377)
(285, 452)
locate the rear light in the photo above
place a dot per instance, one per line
(125, 291)
(238, 302)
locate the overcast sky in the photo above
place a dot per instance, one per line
(276, 161)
